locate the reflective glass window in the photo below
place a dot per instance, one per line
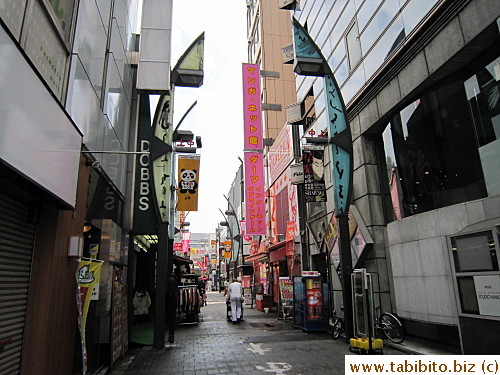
(474, 252)
(353, 45)
(383, 48)
(63, 12)
(415, 11)
(378, 24)
(366, 12)
(443, 149)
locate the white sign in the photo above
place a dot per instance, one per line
(488, 294)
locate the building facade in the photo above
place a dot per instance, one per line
(268, 30)
(68, 118)
(420, 83)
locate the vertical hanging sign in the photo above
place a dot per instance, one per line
(254, 194)
(187, 193)
(253, 144)
(252, 112)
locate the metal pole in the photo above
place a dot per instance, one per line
(301, 201)
(161, 286)
(346, 270)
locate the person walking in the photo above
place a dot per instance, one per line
(235, 295)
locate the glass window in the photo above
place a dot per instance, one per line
(354, 84)
(353, 46)
(342, 72)
(468, 295)
(415, 11)
(63, 12)
(338, 55)
(474, 252)
(12, 13)
(443, 149)
(45, 50)
(383, 48)
(378, 24)
(483, 93)
(366, 12)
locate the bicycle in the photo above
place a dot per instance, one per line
(386, 322)
(391, 326)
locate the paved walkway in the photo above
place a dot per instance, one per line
(261, 344)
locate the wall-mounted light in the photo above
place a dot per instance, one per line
(86, 227)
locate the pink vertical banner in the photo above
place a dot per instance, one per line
(186, 240)
(254, 194)
(252, 112)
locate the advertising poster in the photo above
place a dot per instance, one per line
(188, 177)
(314, 179)
(245, 281)
(286, 290)
(314, 299)
(87, 277)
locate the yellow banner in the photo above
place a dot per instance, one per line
(87, 277)
(188, 175)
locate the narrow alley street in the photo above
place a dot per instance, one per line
(261, 344)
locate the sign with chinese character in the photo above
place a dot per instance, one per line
(188, 173)
(252, 112)
(314, 180)
(177, 246)
(254, 194)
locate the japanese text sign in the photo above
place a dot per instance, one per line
(254, 194)
(252, 112)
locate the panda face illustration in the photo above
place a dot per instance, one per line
(188, 175)
(187, 181)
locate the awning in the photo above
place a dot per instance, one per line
(180, 259)
(277, 252)
(255, 257)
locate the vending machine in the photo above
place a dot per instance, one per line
(316, 312)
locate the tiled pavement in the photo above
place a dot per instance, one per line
(261, 344)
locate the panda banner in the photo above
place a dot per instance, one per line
(188, 174)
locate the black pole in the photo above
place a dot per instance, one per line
(301, 201)
(172, 288)
(346, 270)
(161, 286)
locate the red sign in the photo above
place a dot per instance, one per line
(254, 247)
(177, 246)
(290, 231)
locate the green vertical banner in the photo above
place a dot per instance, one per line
(144, 206)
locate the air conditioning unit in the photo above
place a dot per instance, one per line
(249, 3)
(250, 39)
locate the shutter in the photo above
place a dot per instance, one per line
(16, 250)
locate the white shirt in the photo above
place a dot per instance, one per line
(235, 290)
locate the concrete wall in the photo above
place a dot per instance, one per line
(419, 267)
(420, 261)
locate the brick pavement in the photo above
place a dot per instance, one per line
(261, 344)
